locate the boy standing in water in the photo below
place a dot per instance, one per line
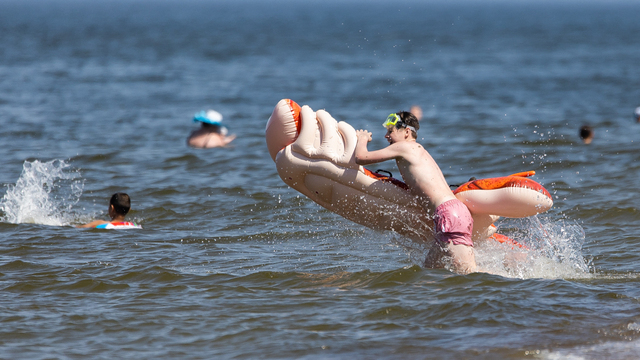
(452, 220)
(119, 206)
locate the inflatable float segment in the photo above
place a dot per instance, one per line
(315, 155)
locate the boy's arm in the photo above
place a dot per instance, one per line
(92, 224)
(366, 157)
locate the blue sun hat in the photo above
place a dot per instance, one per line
(211, 117)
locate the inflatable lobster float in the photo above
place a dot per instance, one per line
(314, 154)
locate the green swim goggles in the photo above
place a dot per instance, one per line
(393, 119)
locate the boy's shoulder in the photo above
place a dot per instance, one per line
(409, 146)
(411, 151)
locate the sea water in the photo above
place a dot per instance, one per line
(97, 98)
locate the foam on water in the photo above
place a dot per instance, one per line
(612, 350)
(552, 249)
(44, 194)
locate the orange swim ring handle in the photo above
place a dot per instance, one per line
(519, 180)
(378, 176)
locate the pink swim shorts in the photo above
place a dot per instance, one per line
(453, 223)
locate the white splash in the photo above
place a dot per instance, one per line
(549, 249)
(44, 194)
(610, 350)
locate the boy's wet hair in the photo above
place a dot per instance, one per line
(586, 131)
(121, 203)
(411, 120)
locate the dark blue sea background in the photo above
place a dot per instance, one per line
(98, 97)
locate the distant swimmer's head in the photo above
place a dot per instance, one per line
(403, 119)
(211, 120)
(120, 203)
(637, 114)
(417, 111)
(586, 134)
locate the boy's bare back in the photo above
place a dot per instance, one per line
(422, 174)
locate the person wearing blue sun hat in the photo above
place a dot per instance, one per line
(211, 133)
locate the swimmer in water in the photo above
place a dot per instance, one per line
(416, 111)
(211, 133)
(452, 220)
(636, 113)
(119, 206)
(586, 134)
